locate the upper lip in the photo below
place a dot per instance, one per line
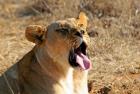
(79, 34)
(82, 48)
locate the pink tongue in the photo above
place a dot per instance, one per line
(83, 61)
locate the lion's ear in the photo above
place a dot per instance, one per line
(82, 20)
(35, 33)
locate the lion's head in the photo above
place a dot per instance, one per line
(65, 41)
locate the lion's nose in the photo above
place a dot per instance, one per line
(79, 34)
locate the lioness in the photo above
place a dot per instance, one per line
(58, 64)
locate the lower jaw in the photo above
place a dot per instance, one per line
(72, 60)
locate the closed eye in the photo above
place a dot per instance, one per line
(64, 31)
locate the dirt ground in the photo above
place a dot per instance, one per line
(114, 29)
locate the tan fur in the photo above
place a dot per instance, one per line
(46, 69)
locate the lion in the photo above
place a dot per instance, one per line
(58, 63)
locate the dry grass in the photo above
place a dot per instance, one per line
(115, 36)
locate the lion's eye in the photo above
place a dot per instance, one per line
(63, 31)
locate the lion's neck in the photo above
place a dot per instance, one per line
(36, 79)
(63, 76)
(80, 82)
(51, 66)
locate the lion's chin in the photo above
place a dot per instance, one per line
(78, 57)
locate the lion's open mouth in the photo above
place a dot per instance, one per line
(78, 57)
